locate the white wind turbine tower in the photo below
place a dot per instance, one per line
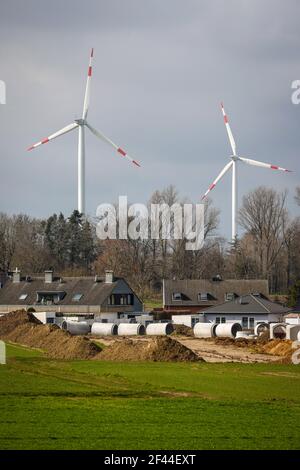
(80, 124)
(234, 159)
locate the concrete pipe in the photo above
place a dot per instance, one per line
(292, 332)
(159, 329)
(261, 328)
(76, 327)
(205, 330)
(278, 330)
(131, 329)
(104, 329)
(228, 330)
(244, 335)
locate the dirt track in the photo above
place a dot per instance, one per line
(212, 352)
(209, 350)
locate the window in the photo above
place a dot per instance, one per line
(50, 320)
(77, 297)
(176, 296)
(229, 296)
(245, 322)
(203, 296)
(251, 322)
(49, 298)
(218, 320)
(23, 296)
(121, 299)
(223, 320)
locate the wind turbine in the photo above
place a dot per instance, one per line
(234, 159)
(80, 124)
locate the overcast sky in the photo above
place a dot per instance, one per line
(161, 69)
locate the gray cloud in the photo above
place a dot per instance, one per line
(161, 69)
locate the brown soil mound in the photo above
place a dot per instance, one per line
(182, 330)
(278, 347)
(23, 328)
(11, 320)
(163, 349)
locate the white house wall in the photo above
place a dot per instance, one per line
(238, 317)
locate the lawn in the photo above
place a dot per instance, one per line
(47, 404)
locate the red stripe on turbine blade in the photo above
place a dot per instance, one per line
(212, 186)
(135, 163)
(274, 167)
(225, 119)
(121, 151)
(90, 71)
(45, 141)
(289, 171)
(30, 148)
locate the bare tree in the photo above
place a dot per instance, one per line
(7, 242)
(263, 215)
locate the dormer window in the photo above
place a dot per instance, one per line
(49, 297)
(203, 296)
(176, 296)
(230, 296)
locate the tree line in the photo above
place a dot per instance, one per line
(269, 247)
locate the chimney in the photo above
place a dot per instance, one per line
(109, 277)
(48, 277)
(16, 275)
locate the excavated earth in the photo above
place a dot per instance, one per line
(160, 348)
(23, 328)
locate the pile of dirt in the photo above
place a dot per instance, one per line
(11, 320)
(23, 328)
(263, 337)
(182, 330)
(278, 347)
(239, 342)
(162, 349)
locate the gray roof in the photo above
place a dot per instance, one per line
(190, 288)
(93, 293)
(248, 304)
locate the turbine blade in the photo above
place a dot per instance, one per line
(262, 164)
(63, 131)
(108, 141)
(220, 176)
(86, 102)
(230, 135)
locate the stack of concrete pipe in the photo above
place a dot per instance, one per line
(211, 330)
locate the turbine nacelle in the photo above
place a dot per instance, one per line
(80, 122)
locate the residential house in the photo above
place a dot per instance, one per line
(106, 299)
(194, 296)
(248, 310)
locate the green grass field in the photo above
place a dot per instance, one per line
(48, 404)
